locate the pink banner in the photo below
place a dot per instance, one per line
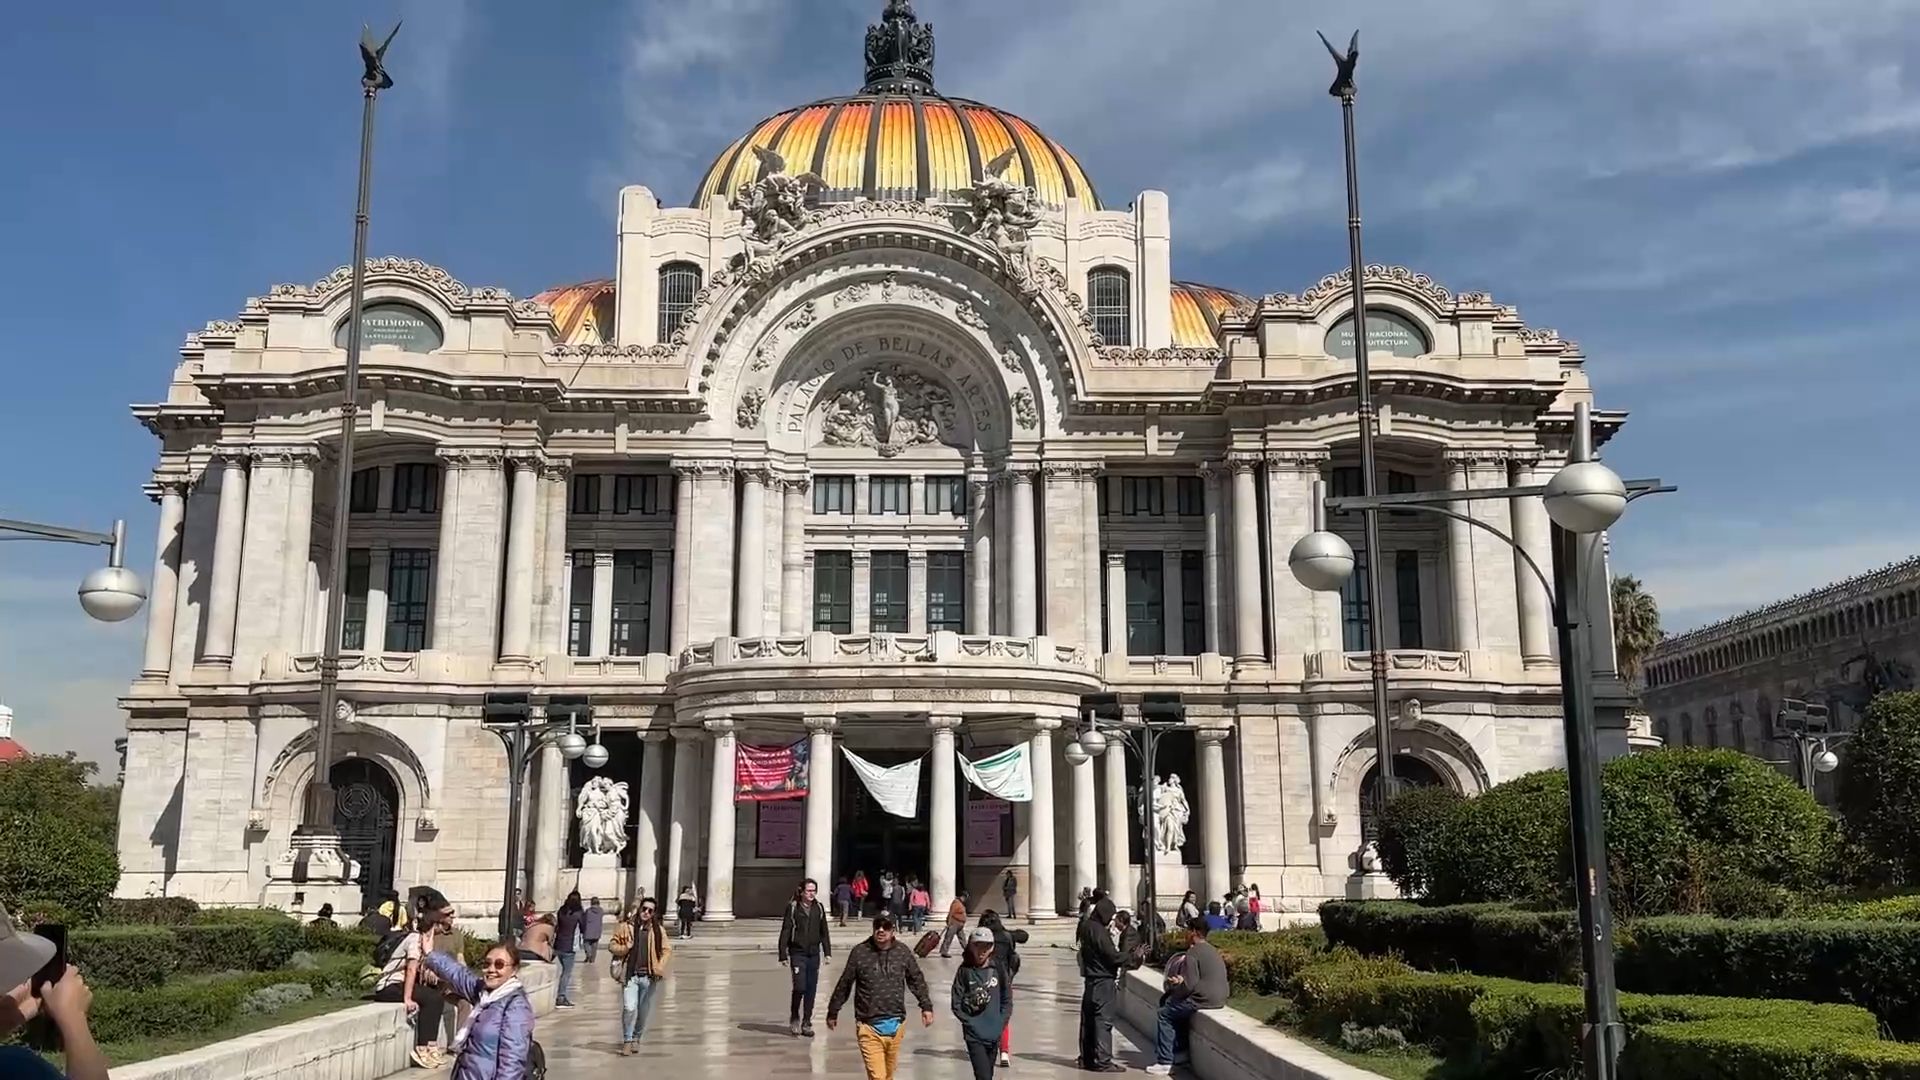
(770, 773)
(782, 830)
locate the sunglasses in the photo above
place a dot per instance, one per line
(497, 965)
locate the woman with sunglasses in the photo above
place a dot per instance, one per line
(640, 976)
(496, 1040)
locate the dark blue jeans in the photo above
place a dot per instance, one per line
(806, 983)
(1176, 1017)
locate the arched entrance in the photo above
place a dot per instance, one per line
(1410, 771)
(366, 811)
(870, 839)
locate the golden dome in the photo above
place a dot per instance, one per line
(899, 138)
(583, 313)
(1197, 310)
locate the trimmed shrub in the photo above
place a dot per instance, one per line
(1507, 844)
(1411, 830)
(150, 911)
(1903, 907)
(273, 935)
(1879, 788)
(215, 947)
(1259, 963)
(125, 957)
(191, 1008)
(1488, 939)
(324, 937)
(271, 999)
(51, 861)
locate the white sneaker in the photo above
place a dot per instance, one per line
(1006, 1059)
(1157, 1069)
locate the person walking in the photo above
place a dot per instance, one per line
(1100, 965)
(843, 901)
(640, 972)
(496, 1040)
(1253, 906)
(566, 940)
(1006, 955)
(1009, 889)
(982, 1001)
(860, 890)
(689, 907)
(919, 905)
(804, 946)
(591, 923)
(956, 925)
(1196, 980)
(878, 974)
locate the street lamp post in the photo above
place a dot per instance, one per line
(1582, 499)
(111, 593)
(508, 716)
(1105, 729)
(1805, 724)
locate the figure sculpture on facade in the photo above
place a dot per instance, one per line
(1171, 812)
(602, 810)
(1002, 212)
(890, 409)
(775, 206)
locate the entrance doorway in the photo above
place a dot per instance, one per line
(868, 838)
(365, 811)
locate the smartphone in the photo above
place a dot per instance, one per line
(56, 967)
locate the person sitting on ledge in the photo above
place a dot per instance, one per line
(1196, 979)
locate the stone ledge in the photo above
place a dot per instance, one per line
(1227, 1044)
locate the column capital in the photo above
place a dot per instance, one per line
(226, 454)
(1303, 460)
(1019, 477)
(162, 486)
(792, 483)
(861, 555)
(471, 457)
(556, 468)
(603, 558)
(1211, 471)
(1476, 456)
(688, 735)
(703, 468)
(817, 724)
(530, 458)
(285, 456)
(755, 472)
(1212, 734)
(1116, 559)
(943, 722)
(649, 735)
(720, 728)
(1071, 470)
(1243, 461)
(1044, 725)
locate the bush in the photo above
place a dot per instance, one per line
(1507, 844)
(325, 937)
(271, 999)
(193, 1008)
(125, 957)
(1411, 827)
(150, 911)
(1902, 907)
(51, 861)
(272, 936)
(1879, 789)
(1259, 963)
(215, 947)
(1488, 939)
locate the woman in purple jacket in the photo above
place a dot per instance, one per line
(497, 1039)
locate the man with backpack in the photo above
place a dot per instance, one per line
(804, 946)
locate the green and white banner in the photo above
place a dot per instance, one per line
(1006, 775)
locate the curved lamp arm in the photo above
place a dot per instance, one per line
(1456, 515)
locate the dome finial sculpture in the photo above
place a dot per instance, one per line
(899, 51)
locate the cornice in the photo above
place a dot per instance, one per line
(1835, 596)
(472, 457)
(1306, 459)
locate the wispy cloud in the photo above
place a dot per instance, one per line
(431, 49)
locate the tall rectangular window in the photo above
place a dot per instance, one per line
(1191, 496)
(887, 593)
(580, 606)
(353, 630)
(1399, 483)
(416, 488)
(1355, 630)
(889, 495)
(679, 284)
(632, 600)
(365, 497)
(833, 494)
(1343, 481)
(947, 591)
(833, 590)
(1406, 585)
(583, 493)
(947, 495)
(1146, 604)
(1193, 602)
(1143, 495)
(409, 579)
(1110, 302)
(642, 493)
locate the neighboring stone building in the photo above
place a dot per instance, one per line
(1721, 685)
(869, 447)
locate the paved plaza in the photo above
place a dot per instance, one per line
(724, 1013)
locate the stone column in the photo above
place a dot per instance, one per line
(1002, 569)
(223, 598)
(550, 828)
(379, 562)
(943, 847)
(1115, 851)
(862, 615)
(163, 592)
(550, 633)
(1021, 559)
(446, 558)
(682, 567)
(980, 559)
(1086, 839)
(916, 592)
(1248, 649)
(1210, 480)
(1466, 614)
(650, 814)
(1213, 811)
(721, 825)
(820, 771)
(516, 614)
(1172, 600)
(793, 556)
(299, 552)
(1043, 898)
(1530, 531)
(1302, 621)
(1117, 602)
(600, 619)
(750, 593)
(1095, 565)
(1499, 604)
(476, 559)
(659, 602)
(684, 821)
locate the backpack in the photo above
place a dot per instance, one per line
(622, 941)
(388, 944)
(536, 1062)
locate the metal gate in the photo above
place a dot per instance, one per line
(364, 811)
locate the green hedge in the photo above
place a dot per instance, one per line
(125, 957)
(272, 936)
(191, 1008)
(1258, 963)
(217, 947)
(325, 937)
(150, 911)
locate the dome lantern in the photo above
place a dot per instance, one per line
(899, 52)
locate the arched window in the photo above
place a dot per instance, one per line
(679, 281)
(1410, 771)
(1110, 293)
(394, 323)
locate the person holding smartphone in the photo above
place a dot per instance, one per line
(40, 982)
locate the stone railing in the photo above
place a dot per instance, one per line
(940, 647)
(1336, 665)
(1227, 1044)
(1204, 668)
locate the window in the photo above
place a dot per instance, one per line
(1112, 304)
(632, 602)
(1146, 604)
(353, 631)
(833, 494)
(580, 605)
(889, 495)
(584, 496)
(679, 282)
(409, 577)
(947, 495)
(1399, 483)
(1387, 331)
(1343, 481)
(642, 493)
(365, 497)
(947, 591)
(1142, 495)
(1189, 496)
(388, 322)
(416, 488)
(887, 593)
(1193, 603)
(833, 590)
(1406, 582)
(1356, 631)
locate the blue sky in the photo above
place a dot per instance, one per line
(1718, 199)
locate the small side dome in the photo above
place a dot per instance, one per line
(582, 313)
(1197, 310)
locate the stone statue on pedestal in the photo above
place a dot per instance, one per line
(1171, 812)
(602, 810)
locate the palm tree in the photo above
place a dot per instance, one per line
(1636, 625)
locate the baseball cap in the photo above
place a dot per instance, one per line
(21, 953)
(980, 936)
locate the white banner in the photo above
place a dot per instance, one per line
(1006, 775)
(896, 789)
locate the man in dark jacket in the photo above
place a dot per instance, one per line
(804, 945)
(878, 974)
(1100, 964)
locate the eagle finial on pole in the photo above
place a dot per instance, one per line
(375, 57)
(1343, 65)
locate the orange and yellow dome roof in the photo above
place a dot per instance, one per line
(899, 138)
